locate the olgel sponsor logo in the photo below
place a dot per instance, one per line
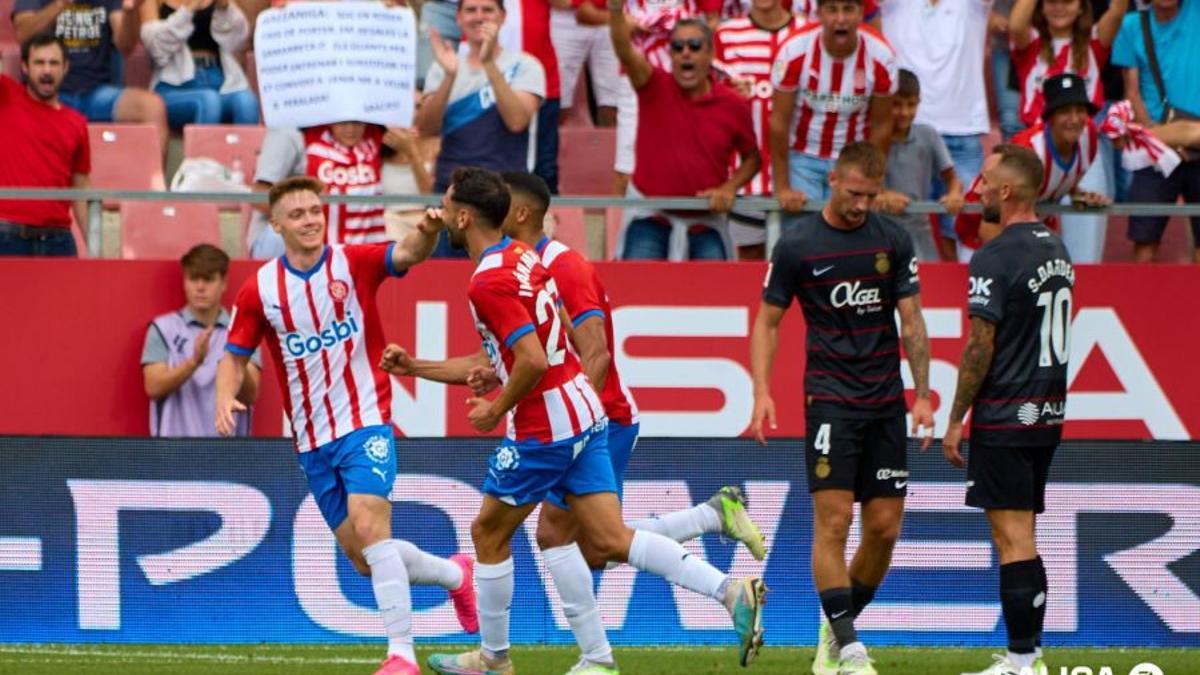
(852, 294)
(886, 474)
(299, 345)
(332, 174)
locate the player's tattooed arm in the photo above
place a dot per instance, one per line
(916, 342)
(976, 361)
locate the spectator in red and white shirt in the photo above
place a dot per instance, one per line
(46, 146)
(804, 10)
(1049, 37)
(690, 131)
(744, 48)
(1065, 140)
(834, 82)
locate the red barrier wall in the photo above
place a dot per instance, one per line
(74, 330)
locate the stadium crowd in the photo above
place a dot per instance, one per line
(708, 98)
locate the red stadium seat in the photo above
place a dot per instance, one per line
(570, 228)
(7, 32)
(585, 160)
(159, 230)
(10, 55)
(225, 143)
(126, 157)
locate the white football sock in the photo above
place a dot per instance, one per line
(494, 593)
(573, 580)
(657, 554)
(390, 581)
(1022, 660)
(852, 649)
(425, 569)
(683, 525)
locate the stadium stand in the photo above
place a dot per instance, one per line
(126, 157)
(155, 230)
(585, 160)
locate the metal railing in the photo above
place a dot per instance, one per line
(769, 206)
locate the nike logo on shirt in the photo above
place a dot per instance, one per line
(823, 270)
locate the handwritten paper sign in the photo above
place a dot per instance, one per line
(325, 62)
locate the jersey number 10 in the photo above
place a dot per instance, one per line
(1056, 327)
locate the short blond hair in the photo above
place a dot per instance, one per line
(292, 184)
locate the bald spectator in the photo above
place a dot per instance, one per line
(46, 146)
(834, 82)
(690, 130)
(182, 348)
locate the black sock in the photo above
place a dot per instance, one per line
(861, 595)
(1020, 585)
(1040, 615)
(839, 609)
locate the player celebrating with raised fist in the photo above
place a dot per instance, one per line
(315, 305)
(556, 442)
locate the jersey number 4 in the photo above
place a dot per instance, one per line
(547, 310)
(1056, 327)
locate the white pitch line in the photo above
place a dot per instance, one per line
(179, 656)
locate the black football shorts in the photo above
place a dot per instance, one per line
(1007, 477)
(869, 457)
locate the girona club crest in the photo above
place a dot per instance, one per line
(338, 290)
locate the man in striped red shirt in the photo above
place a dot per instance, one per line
(556, 443)
(834, 82)
(315, 305)
(743, 49)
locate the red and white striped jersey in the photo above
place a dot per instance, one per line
(1060, 175)
(743, 49)
(833, 95)
(805, 10)
(657, 18)
(583, 297)
(512, 295)
(324, 333)
(349, 171)
(1032, 70)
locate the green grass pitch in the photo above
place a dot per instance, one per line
(276, 659)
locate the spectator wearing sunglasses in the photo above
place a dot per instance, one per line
(691, 129)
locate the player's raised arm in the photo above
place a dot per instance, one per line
(397, 361)
(419, 243)
(916, 349)
(976, 360)
(529, 365)
(231, 374)
(764, 340)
